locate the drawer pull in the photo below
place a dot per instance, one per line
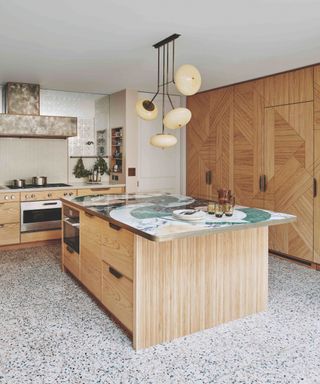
(1, 225)
(89, 214)
(114, 226)
(69, 249)
(115, 273)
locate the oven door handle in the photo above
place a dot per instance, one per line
(54, 203)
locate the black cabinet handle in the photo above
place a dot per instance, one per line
(89, 214)
(263, 183)
(115, 273)
(315, 187)
(208, 177)
(69, 249)
(114, 226)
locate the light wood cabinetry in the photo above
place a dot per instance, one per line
(209, 143)
(289, 170)
(105, 265)
(101, 191)
(9, 218)
(289, 87)
(117, 295)
(117, 249)
(248, 129)
(53, 194)
(71, 260)
(90, 250)
(274, 159)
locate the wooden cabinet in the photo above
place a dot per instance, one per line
(261, 139)
(248, 127)
(209, 143)
(90, 253)
(71, 260)
(289, 170)
(46, 194)
(289, 87)
(117, 295)
(9, 233)
(104, 265)
(9, 218)
(101, 191)
(117, 249)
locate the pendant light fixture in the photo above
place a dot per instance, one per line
(188, 82)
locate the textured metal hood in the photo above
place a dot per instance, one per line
(22, 115)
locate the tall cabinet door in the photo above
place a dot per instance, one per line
(289, 169)
(221, 132)
(247, 143)
(199, 147)
(317, 163)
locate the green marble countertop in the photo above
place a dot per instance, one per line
(151, 215)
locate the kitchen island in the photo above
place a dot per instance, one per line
(164, 278)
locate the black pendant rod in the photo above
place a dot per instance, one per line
(163, 81)
(158, 87)
(167, 86)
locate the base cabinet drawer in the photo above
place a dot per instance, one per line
(117, 295)
(117, 249)
(9, 213)
(9, 233)
(71, 260)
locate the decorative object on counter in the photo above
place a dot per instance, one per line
(229, 206)
(79, 170)
(189, 214)
(211, 208)
(224, 195)
(219, 210)
(188, 82)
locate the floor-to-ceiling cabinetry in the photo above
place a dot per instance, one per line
(261, 138)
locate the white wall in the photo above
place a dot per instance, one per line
(159, 169)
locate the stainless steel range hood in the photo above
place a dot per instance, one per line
(22, 115)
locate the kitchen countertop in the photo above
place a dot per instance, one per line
(151, 215)
(4, 188)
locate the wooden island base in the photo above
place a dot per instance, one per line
(194, 283)
(161, 290)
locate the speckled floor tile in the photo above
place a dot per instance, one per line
(53, 332)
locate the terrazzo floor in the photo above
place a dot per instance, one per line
(51, 331)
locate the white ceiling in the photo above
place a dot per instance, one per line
(106, 45)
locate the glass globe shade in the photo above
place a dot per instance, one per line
(187, 79)
(162, 140)
(146, 109)
(177, 118)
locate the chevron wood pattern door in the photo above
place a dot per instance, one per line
(209, 142)
(289, 169)
(316, 92)
(247, 143)
(199, 147)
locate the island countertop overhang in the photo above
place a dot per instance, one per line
(119, 211)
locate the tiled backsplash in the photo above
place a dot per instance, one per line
(21, 158)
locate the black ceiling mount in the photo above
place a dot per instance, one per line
(166, 40)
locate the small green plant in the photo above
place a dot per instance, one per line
(79, 169)
(102, 165)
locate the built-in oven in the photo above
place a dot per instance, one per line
(40, 215)
(71, 224)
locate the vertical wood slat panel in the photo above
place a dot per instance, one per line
(187, 285)
(289, 88)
